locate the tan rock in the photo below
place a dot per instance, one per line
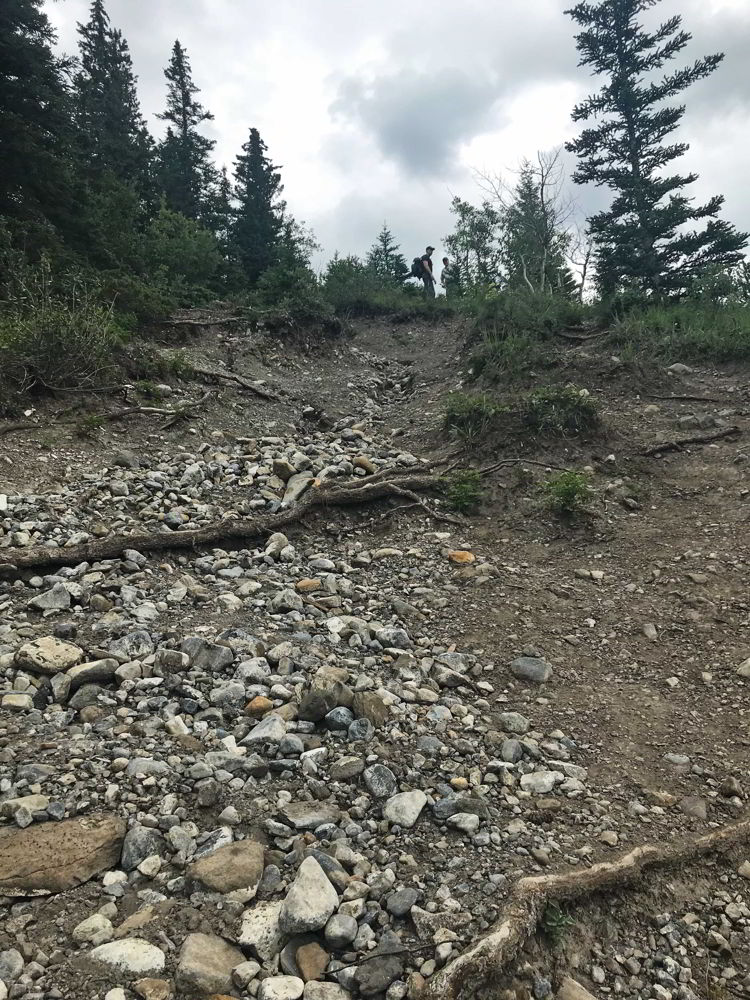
(258, 707)
(48, 656)
(50, 857)
(154, 989)
(461, 557)
(570, 989)
(205, 964)
(308, 585)
(363, 462)
(236, 866)
(312, 961)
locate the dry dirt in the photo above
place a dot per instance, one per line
(676, 560)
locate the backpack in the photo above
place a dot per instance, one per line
(417, 270)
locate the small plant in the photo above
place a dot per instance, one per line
(555, 923)
(567, 493)
(463, 490)
(560, 411)
(472, 416)
(88, 426)
(149, 389)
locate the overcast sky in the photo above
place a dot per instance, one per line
(383, 110)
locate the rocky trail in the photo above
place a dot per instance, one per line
(326, 758)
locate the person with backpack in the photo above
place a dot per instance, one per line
(450, 279)
(421, 267)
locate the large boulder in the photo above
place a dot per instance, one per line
(48, 656)
(310, 902)
(46, 858)
(236, 866)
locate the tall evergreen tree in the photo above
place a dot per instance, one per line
(113, 132)
(259, 216)
(533, 245)
(646, 239)
(35, 174)
(186, 172)
(385, 258)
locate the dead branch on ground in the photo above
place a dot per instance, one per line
(681, 443)
(318, 497)
(240, 380)
(487, 959)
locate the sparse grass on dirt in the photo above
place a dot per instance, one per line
(567, 493)
(560, 411)
(471, 415)
(463, 490)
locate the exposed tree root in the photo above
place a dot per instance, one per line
(24, 425)
(486, 960)
(234, 377)
(15, 559)
(677, 445)
(684, 399)
(187, 321)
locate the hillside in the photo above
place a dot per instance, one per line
(326, 752)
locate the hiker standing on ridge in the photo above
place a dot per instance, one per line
(422, 268)
(449, 279)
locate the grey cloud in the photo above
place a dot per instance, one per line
(420, 119)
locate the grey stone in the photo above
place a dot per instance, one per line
(205, 655)
(140, 843)
(11, 966)
(404, 809)
(205, 964)
(271, 729)
(56, 599)
(376, 974)
(310, 902)
(93, 672)
(340, 931)
(532, 669)
(309, 815)
(130, 957)
(400, 903)
(380, 781)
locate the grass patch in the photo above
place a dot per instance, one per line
(555, 923)
(471, 415)
(567, 493)
(560, 411)
(463, 490)
(684, 331)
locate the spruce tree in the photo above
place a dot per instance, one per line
(259, 216)
(186, 172)
(385, 258)
(648, 239)
(113, 133)
(36, 187)
(533, 245)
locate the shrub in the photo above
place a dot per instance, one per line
(56, 339)
(560, 411)
(567, 493)
(472, 416)
(289, 297)
(463, 490)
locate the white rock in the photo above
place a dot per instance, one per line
(94, 930)
(405, 808)
(310, 901)
(260, 930)
(281, 988)
(541, 782)
(133, 956)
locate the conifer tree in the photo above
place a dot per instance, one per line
(35, 171)
(259, 216)
(186, 172)
(385, 258)
(113, 133)
(533, 244)
(648, 240)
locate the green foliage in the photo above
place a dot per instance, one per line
(475, 245)
(646, 239)
(560, 411)
(258, 219)
(471, 415)
(55, 339)
(355, 289)
(567, 493)
(290, 298)
(463, 490)
(186, 174)
(386, 260)
(182, 252)
(685, 331)
(555, 923)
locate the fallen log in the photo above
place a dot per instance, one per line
(240, 380)
(680, 443)
(486, 960)
(318, 496)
